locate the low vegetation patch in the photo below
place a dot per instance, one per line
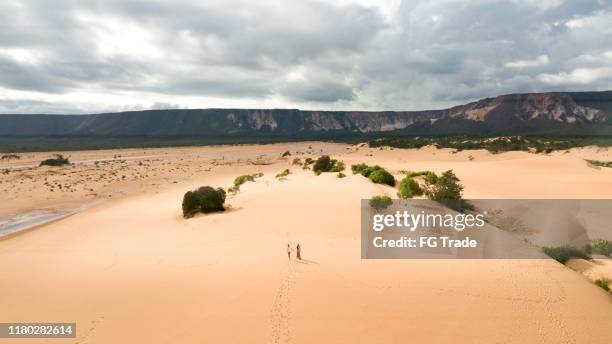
(604, 284)
(358, 168)
(307, 163)
(205, 199)
(326, 164)
(283, 174)
(341, 175)
(491, 144)
(429, 176)
(238, 181)
(564, 253)
(444, 189)
(380, 202)
(600, 246)
(59, 160)
(10, 156)
(599, 163)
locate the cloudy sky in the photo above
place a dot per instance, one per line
(80, 56)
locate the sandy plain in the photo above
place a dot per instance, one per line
(131, 270)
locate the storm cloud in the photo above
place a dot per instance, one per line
(69, 56)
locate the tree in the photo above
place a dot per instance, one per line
(446, 188)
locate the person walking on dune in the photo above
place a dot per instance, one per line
(298, 252)
(288, 251)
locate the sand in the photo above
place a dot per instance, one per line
(594, 269)
(132, 270)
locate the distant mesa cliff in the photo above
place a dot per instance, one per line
(540, 113)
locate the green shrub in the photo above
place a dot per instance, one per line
(380, 202)
(358, 168)
(233, 189)
(204, 199)
(243, 179)
(364, 169)
(191, 204)
(59, 160)
(287, 153)
(212, 200)
(563, 253)
(431, 177)
(297, 161)
(326, 164)
(603, 284)
(375, 173)
(446, 188)
(341, 175)
(409, 188)
(323, 164)
(283, 174)
(338, 167)
(238, 181)
(307, 163)
(381, 176)
(369, 170)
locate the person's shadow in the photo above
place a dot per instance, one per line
(306, 261)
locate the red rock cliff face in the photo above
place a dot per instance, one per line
(387, 121)
(558, 107)
(516, 113)
(544, 106)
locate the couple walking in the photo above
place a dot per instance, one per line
(298, 251)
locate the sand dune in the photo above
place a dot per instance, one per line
(132, 270)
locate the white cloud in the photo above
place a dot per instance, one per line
(596, 58)
(541, 60)
(164, 106)
(541, 4)
(29, 56)
(115, 36)
(93, 56)
(598, 20)
(583, 76)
